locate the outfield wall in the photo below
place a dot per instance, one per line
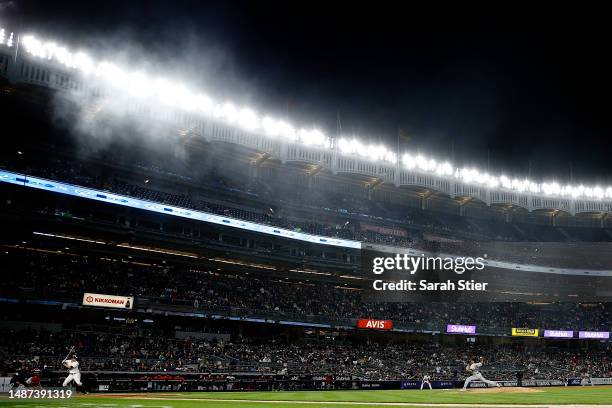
(105, 381)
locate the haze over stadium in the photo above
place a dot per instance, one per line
(123, 83)
(520, 80)
(380, 206)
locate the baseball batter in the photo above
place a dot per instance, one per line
(74, 374)
(474, 368)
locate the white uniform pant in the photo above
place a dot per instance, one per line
(478, 377)
(425, 382)
(72, 377)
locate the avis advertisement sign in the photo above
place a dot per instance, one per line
(116, 302)
(375, 324)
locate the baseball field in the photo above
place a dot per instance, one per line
(515, 397)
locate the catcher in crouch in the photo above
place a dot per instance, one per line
(474, 368)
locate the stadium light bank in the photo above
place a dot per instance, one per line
(139, 85)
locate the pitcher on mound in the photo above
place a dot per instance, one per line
(474, 368)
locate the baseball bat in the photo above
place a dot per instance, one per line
(68, 355)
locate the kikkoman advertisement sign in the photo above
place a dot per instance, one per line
(115, 302)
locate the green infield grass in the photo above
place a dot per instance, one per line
(584, 396)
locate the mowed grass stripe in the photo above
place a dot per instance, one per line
(544, 396)
(601, 396)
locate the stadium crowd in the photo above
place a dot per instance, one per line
(339, 215)
(359, 360)
(280, 205)
(67, 277)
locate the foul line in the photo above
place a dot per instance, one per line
(391, 404)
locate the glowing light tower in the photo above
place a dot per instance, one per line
(48, 64)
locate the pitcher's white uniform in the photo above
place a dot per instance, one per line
(586, 379)
(74, 374)
(426, 381)
(477, 376)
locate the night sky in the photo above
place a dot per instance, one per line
(531, 88)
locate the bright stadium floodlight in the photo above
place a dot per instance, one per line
(467, 175)
(370, 152)
(48, 50)
(33, 46)
(359, 148)
(226, 112)
(61, 54)
(493, 182)
(183, 98)
(483, 178)
(287, 130)
(376, 153)
(270, 126)
(577, 191)
(444, 169)
(2, 36)
(229, 112)
(110, 73)
(387, 155)
(408, 161)
(425, 164)
(138, 85)
(343, 145)
(519, 185)
(356, 147)
(203, 103)
(505, 182)
(313, 137)
(276, 128)
(171, 94)
(597, 192)
(84, 63)
(175, 95)
(551, 188)
(248, 120)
